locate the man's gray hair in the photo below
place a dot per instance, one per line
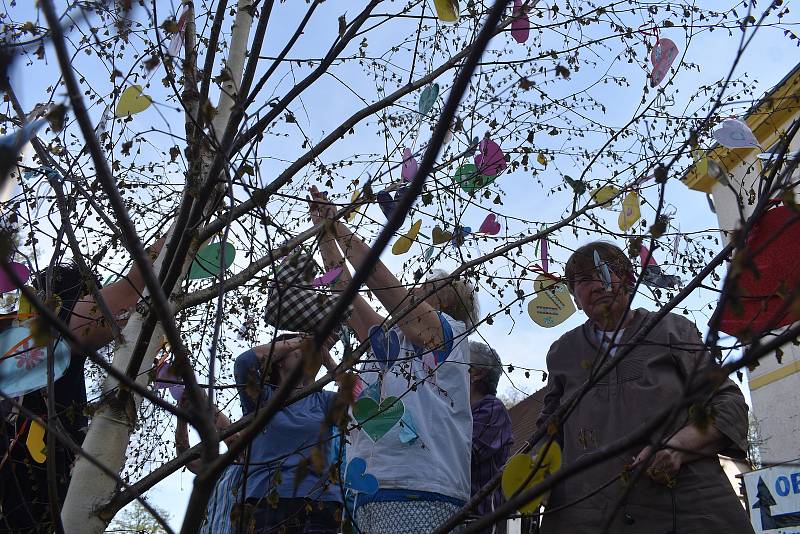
(485, 357)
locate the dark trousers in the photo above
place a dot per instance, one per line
(296, 515)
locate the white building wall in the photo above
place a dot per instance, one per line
(776, 403)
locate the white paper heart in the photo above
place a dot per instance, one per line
(735, 134)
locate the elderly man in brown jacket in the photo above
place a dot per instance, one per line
(683, 489)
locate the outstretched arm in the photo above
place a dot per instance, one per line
(419, 321)
(87, 320)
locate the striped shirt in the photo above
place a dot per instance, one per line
(220, 505)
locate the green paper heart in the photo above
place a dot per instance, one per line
(377, 419)
(206, 263)
(470, 180)
(428, 98)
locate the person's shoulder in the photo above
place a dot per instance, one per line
(675, 322)
(568, 337)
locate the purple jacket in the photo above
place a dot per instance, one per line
(491, 447)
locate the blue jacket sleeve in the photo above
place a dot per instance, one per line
(247, 374)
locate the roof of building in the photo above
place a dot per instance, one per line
(523, 418)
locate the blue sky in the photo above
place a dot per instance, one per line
(518, 340)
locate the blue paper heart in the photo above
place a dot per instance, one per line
(460, 235)
(385, 346)
(357, 479)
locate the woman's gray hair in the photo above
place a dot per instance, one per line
(459, 302)
(485, 357)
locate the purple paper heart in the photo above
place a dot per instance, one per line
(410, 166)
(388, 203)
(491, 161)
(328, 278)
(176, 390)
(6, 283)
(490, 225)
(521, 25)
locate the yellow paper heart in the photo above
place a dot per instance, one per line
(132, 101)
(603, 195)
(446, 10)
(25, 310)
(352, 215)
(440, 236)
(552, 305)
(542, 159)
(519, 468)
(630, 212)
(35, 443)
(403, 244)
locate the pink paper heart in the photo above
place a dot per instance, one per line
(521, 25)
(662, 56)
(490, 225)
(409, 165)
(328, 278)
(6, 283)
(491, 161)
(176, 43)
(735, 134)
(643, 256)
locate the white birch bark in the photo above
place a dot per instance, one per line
(111, 426)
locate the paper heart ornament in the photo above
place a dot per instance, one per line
(521, 25)
(542, 159)
(662, 57)
(653, 276)
(630, 212)
(385, 346)
(491, 161)
(552, 305)
(6, 283)
(543, 249)
(470, 180)
(132, 101)
(410, 166)
(25, 310)
(408, 431)
(735, 134)
(377, 419)
(355, 198)
(446, 10)
(429, 253)
(387, 202)
(176, 43)
(643, 254)
(460, 235)
(428, 98)
(440, 236)
(602, 270)
(704, 166)
(35, 443)
(207, 262)
(328, 278)
(404, 242)
(604, 195)
(165, 373)
(357, 479)
(518, 473)
(490, 226)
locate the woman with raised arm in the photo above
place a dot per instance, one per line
(23, 480)
(291, 482)
(683, 489)
(412, 409)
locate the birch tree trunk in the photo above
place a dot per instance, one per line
(112, 424)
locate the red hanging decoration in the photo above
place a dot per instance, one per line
(761, 292)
